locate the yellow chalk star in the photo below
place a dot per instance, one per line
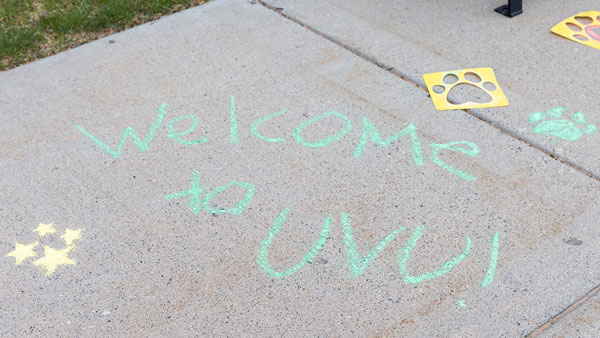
(44, 229)
(22, 252)
(54, 258)
(71, 235)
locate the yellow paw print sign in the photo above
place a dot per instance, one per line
(441, 84)
(583, 28)
(52, 258)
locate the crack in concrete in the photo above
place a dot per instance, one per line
(559, 316)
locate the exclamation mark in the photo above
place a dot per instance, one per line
(489, 276)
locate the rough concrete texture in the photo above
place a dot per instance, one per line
(537, 69)
(582, 322)
(147, 265)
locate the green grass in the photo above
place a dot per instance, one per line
(31, 29)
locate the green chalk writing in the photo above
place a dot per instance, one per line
(233, 129)
(177, 136)
(404, 256)
(240, 206)
(129, 131)
(436, 148)
(257, 123)
(339, 134)
(489, 276)
(371, 132)
(196, 191)
(263, 254)
(359, 265)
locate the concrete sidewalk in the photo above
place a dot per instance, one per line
(226, 171)
(537, 69)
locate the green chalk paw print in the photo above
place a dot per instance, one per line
(572, 128)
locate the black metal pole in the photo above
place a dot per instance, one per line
(514, 7)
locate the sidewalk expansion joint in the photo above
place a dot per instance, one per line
(406, 78)
(559, 316)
